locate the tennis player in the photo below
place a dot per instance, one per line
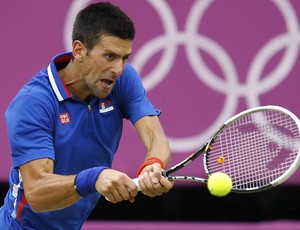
(65, 126)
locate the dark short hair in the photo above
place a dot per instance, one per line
(101, 18)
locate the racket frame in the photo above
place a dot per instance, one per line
(205, 149)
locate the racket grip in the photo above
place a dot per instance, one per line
(136, 181)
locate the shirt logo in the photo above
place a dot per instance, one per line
(64, 118)
(106, 106)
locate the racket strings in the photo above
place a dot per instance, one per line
(256, 149)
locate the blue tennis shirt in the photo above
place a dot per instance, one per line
(45, 121)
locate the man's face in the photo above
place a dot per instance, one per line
(102, 66)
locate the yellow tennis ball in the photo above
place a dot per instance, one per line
(219, 184)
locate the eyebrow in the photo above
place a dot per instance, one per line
(117, 55)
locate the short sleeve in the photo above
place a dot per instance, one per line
(29, 126)
(134, 101)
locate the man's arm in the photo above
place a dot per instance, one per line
(45, 191)
(155, 141)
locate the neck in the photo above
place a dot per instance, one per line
(71, 81)
(74, 83)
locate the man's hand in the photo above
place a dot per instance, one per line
(152, 183)
(116, 186)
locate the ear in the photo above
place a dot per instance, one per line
(78, 50)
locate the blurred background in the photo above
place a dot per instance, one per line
(201, 61)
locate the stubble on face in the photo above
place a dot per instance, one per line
(103, 65)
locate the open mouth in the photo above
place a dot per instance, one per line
(106, 82)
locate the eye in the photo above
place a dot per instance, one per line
(125, 58)
(110, 57)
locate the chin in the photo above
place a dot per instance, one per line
(103, 95)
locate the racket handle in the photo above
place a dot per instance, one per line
(136, 181)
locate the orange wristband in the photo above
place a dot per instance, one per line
(150, 161)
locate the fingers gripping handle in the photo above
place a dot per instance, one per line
(136, 181)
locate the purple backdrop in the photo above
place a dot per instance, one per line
(128, 225)
(201, 62)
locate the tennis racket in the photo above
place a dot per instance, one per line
(258, 148)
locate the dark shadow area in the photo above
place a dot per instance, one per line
(196, 204)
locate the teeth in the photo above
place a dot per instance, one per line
(107, 82)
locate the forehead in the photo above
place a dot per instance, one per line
(108, 43)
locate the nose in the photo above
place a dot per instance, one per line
(117, 67)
